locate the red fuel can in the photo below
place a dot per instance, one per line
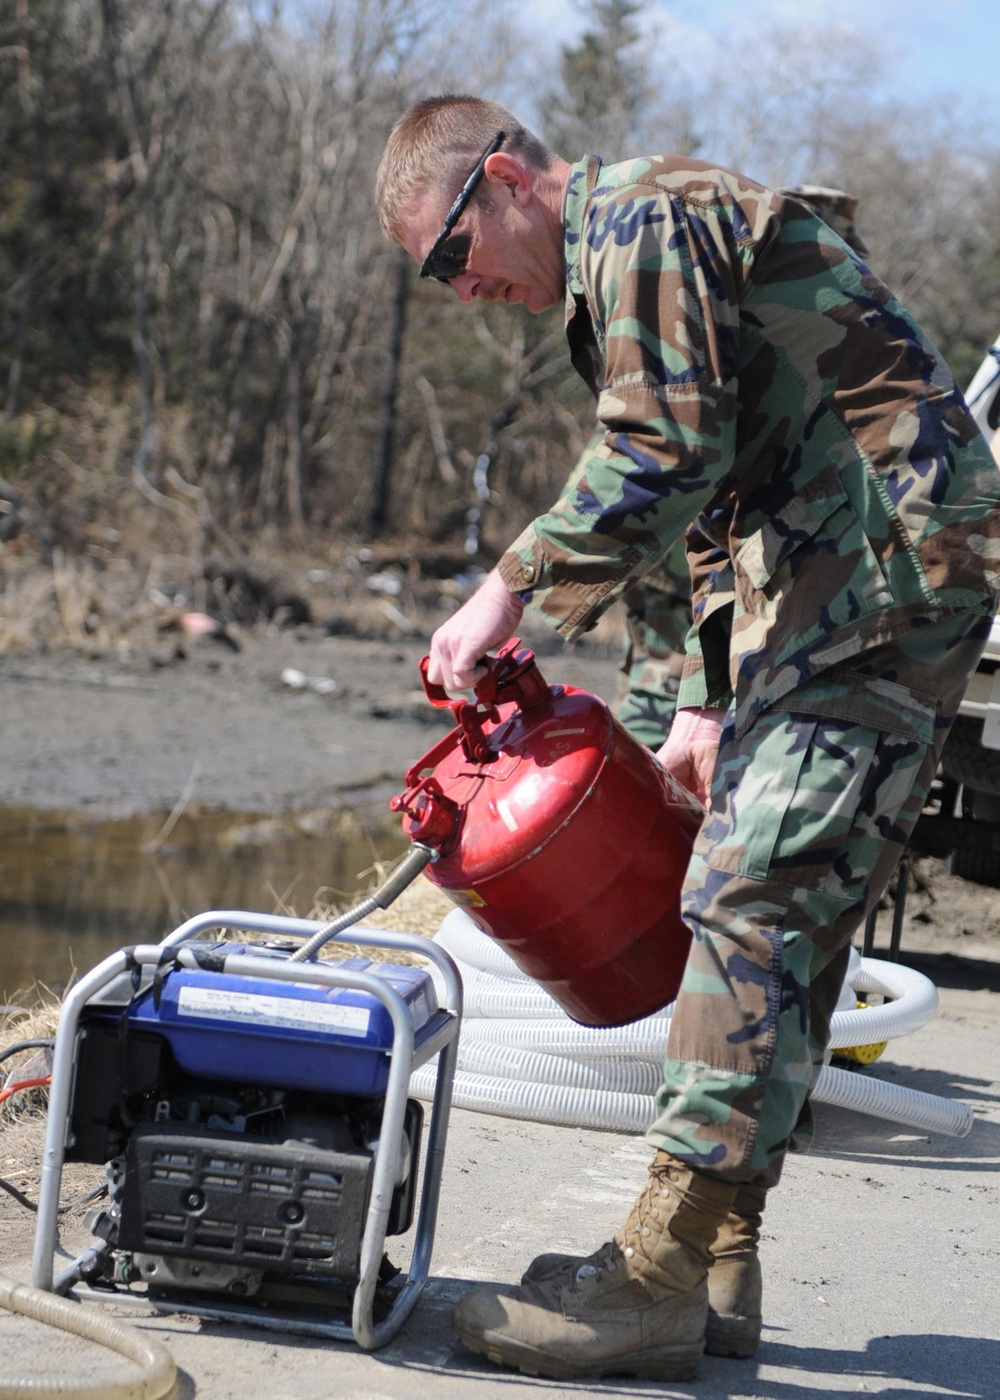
(562, 838)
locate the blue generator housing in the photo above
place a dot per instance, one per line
(220, 1025)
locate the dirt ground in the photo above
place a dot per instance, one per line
(292, 720)
(287, 720)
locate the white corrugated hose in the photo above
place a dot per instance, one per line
(521, 1056)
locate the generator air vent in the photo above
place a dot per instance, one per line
(286, 1206)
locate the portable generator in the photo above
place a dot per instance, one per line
(252, 1104)
(253, 1114)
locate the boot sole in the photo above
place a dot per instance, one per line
(679, 1363)
(731, 1336)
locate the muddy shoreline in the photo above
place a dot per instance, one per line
(137, 790)
(291, 721)
(209, 728)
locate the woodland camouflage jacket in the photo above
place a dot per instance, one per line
(755, 378)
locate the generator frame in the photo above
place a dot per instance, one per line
(404, 1057)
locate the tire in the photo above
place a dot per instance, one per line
(981, 867)
(967, 761)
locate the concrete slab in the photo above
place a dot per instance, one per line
(881, 1257)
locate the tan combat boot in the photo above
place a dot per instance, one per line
(734, 1280)
(635, 1308)
(734, 1318)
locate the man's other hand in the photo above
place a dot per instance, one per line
(691, 750)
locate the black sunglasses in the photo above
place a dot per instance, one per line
(443, 262)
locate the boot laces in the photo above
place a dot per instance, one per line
(646, 1217)
(603, 1261)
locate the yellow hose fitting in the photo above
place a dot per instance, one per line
(862, 1054)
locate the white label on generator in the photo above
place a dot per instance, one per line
(255, 1009)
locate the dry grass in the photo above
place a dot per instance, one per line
(36, 1022)
(100, 559)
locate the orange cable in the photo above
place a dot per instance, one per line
(24, 1084)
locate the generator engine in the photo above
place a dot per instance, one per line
(239, 1118)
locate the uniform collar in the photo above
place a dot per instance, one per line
(584, 351)
(582, 179)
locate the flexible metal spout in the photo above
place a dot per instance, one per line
(416, 858)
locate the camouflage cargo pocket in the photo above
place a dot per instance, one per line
(809, 801)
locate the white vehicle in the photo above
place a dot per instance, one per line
(983, 397)
(969, 821)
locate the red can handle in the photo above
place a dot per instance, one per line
(437, 694)
(511, 676)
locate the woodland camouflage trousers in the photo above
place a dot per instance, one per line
(810, 814)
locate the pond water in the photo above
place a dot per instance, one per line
(74, 888)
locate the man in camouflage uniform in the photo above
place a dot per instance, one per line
(658, 607)
(763, 392)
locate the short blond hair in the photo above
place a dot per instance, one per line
(438, 141)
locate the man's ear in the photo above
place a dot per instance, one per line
(509, 171)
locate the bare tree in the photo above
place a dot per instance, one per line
(157, 56)
(187, 246)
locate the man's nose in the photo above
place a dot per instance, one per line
(466, 285)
